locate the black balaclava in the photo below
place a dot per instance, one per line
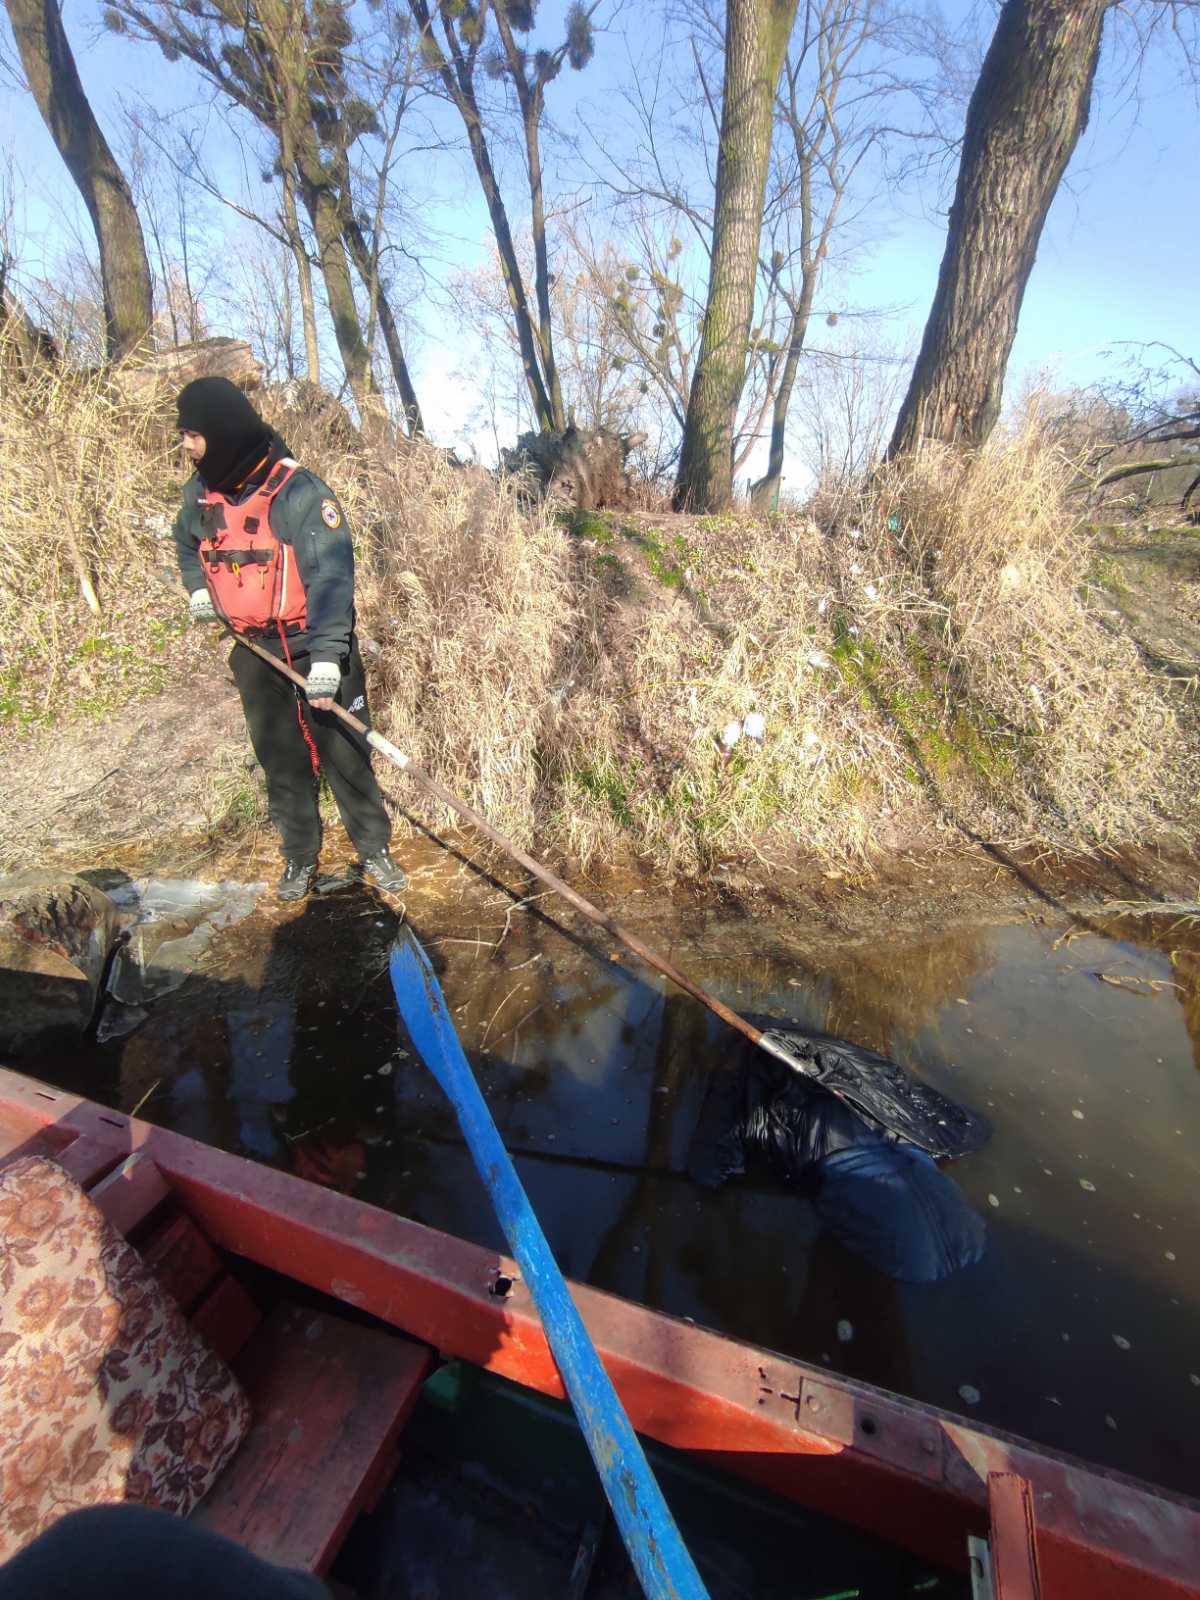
(236, 438)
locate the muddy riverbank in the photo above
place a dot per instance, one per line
(1076, 1029)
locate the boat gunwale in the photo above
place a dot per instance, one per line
(900, 1469)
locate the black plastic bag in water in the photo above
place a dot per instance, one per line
(890, 1205)
(877, 1193)
(882, 1091)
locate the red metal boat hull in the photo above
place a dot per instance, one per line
(902, 1471)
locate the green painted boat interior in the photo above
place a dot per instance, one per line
(497, 1497)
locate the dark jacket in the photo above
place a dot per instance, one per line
(324, 558)
(884, 1199)
(760, 1109)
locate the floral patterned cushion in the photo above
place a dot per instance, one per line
(106, 1393)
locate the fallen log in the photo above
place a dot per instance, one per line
(583, 466)
(168, 370)
(33, 345)
(1133, 469)
(306, 404)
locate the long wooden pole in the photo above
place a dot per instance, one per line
(551, 879)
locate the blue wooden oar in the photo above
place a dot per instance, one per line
(660, 1558)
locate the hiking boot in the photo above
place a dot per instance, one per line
(296, 881)
(383, 872)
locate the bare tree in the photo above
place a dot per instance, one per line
(855, 109)
(820, 145)
(298, 248)
(169, 160)
(649, 272)
(285, 63)
(390, 70)
(32, 343)
(1028, 110)
(756, 41)
(67, 299)
(55, 84)
(292, 67)
(460, 55)
(264, 282)
(1159, 404)
(601, 389)
(648, 320)
(844, 402)
(177, 229)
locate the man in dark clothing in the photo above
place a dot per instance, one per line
(879, 1195)
(263, 544)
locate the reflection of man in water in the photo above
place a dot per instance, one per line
(268, 1073)
(261, 1040)
(881, 1197)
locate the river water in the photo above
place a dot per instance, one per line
(1079, 1329)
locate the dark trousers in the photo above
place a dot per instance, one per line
(273, 709)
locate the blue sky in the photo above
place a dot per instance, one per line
(1117, 259)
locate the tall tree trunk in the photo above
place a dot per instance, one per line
(325, 213)
(364, 252)
(368, 269)
(286, 107)
(414, 421)
(308, 304)
(532, 102)
(54, 79)
(456, 80)
(527, 340)
(542, 265)
(1028, 110)
(764, 495)
(510, 268)
(814, 248)
(286, 80)
(756, 41)
(286, 327)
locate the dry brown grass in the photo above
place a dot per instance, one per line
(87, 495)
(928, 648)
(466, 604)
(922, 655)
(1088, 735)
(934, 651)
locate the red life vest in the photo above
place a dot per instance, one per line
(252, 576)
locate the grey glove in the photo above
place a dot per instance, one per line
(200, 606)
(324, 679)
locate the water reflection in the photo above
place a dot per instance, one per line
(881, 994)
(260, 1055)
(1177, 936)
(288, 1048)
(643, 1238)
